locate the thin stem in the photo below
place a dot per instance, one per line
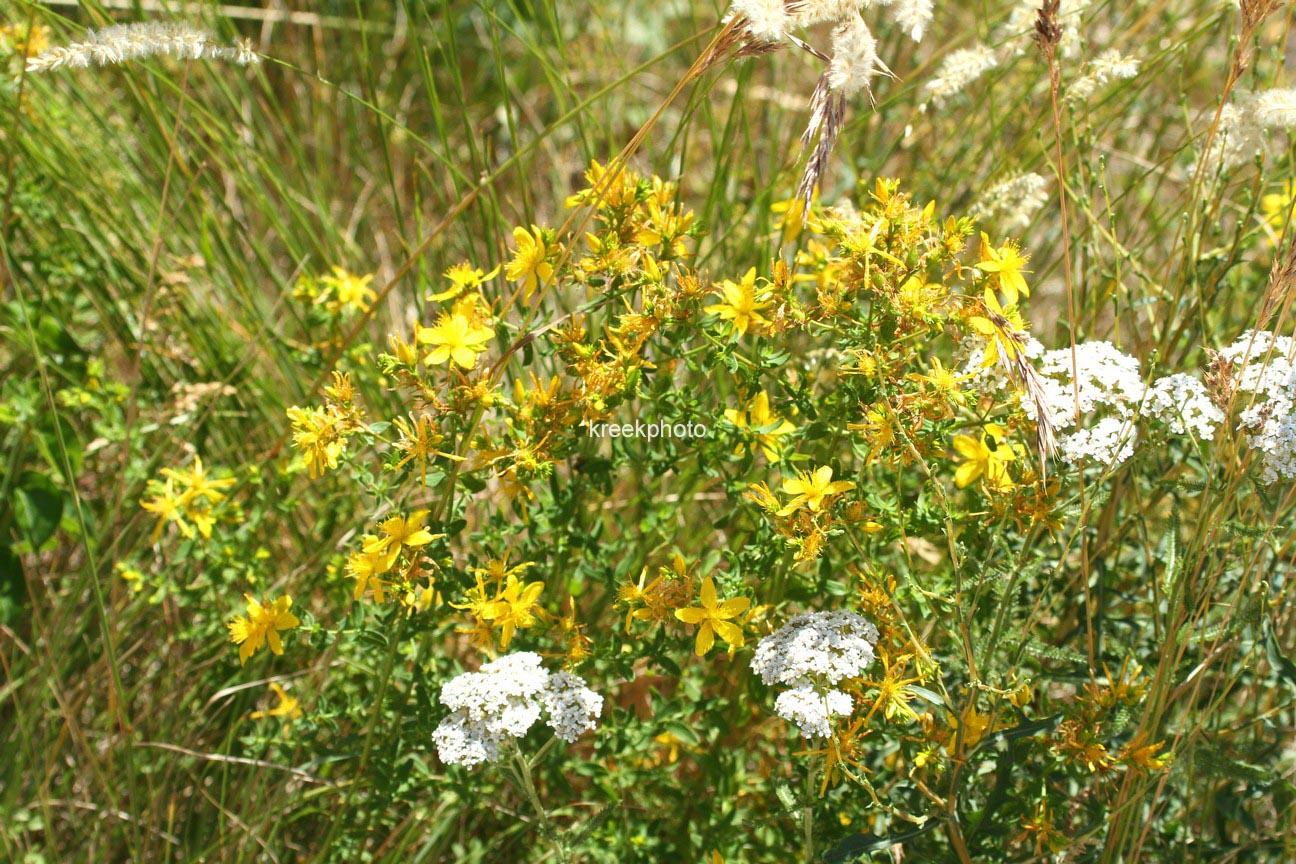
(523, 771)
(807, 815)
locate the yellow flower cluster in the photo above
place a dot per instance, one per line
(392, 561)
(507, 605)
(189, 498)
(261, 626)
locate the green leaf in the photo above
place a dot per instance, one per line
(682, 732)
(1285, 668)
(38, 508)
(858, 844)
(787, 798)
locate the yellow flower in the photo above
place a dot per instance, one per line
(400, 532)
(811, 489)
(974, 726)
(455, 337)
(348, 291)
(286, 706)
(24, 41)
(713, 618)
(167, 505)
(320, 433)
(1138, 753)
(893, 696)
(402, 351)
(529, 265)
(197, 484)
(463, 278)
(639, 601)
(945, 383)
(1007, 262)
(1279, 207)
(844, 750)
(367, 565)
(261, 626)
(419, 442)
(758, 416)
(512, 608)
(792, 210)
(879, 431)
(576, 643)
(987, 457)
(1002, 329)
(741, 306)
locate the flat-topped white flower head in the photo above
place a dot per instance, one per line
(818, 647)
(504, 699)
(811, 711)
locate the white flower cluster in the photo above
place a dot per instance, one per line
(1111, 397)
(959, 69)
(1108, 66)
(1107, 378)
(1181, 403)
(1014, 201)
(810, 654)
(1243, 124)
(854, 60)
(1265, 367)
(1107, 386)
(505, 699)
(811, 711)
(125, 42)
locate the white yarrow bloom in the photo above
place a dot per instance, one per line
(1106, 387)
(1108, 378)
(816, 646)
(809, 655)
(504, 699)
(572, 707)
(1265, 367)
(1181, 403)
(1110, 441)
(811, 711)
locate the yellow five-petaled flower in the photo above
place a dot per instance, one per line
(348, 291)
(987, 456)
(811, 489)
(758, 416)
(1006, 262)
(714, 618)
(457, 338)
(261, 626)
(741, 307)
(530, 264)
(511, 609)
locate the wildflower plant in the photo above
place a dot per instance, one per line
(339, 523)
